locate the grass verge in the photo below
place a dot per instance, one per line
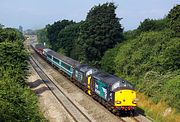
(160, 112)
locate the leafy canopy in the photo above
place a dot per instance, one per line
(174, 19)
(17, 102)
(54, 29)
(100, 31)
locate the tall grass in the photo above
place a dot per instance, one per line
(160, 112)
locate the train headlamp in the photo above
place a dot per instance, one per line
(118, 102)
(135, 101)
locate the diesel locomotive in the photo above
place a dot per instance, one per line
(115, 93)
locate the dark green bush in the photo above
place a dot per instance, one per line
(17, 102)
(149, 61)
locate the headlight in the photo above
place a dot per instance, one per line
(118, 102)
(135, 101)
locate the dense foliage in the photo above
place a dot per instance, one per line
(17, 102)
(67, 39)
(10, 34)
(100, 31)
(41, 36)
(153, 25)
(53, 31)
(150, 58)
(174, 20)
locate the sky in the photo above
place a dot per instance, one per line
(35, 14)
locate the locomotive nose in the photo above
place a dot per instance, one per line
(126, 96)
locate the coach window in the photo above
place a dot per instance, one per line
(66, 66)
(55, 60)
(49, 56)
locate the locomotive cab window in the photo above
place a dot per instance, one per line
(49, 56)
(126, 84)
(115, 85)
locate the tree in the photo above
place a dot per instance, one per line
(16, 99)
(153, 25)
(100, 31)
(108, 59)
(10, 34)
(41, 36)
(67, 37)
(174, 19)
(54, 29)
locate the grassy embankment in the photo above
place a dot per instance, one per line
(151, 62)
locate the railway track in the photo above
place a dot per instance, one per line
(77, 114)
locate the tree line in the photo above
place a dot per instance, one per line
(17, 102)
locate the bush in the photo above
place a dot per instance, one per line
(17, 102)
(149, 61)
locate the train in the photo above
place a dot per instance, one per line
(116, 94)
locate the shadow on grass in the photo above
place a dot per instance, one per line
(139, 111)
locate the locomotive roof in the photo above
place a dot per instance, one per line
(66, 59)
(111, 79)
(84, 68)
(106, 77)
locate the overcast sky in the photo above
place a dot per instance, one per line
(34, 14)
